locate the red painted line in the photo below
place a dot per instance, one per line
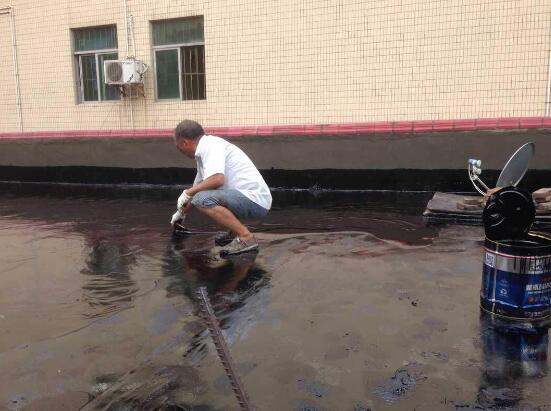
(403, 127)
(531, 122)
(487, 124)
(364, 128)
(508, 123)
(465, 125)
(443, 125)
(310, 130)
(342, 129)
(423, 126)
(382, 127)
(263, 131)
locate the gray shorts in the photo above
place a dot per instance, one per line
(233, 200)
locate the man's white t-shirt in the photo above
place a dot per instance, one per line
(215, 155)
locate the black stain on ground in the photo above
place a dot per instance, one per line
(442, 356)
(399, 384)
(305, 405)
(313, 387)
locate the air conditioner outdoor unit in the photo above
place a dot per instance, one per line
(129, 71)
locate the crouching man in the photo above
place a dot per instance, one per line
(228, 187)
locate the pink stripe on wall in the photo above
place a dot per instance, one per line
(381, 127)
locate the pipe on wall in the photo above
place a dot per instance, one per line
(126, 17)
(9, 11)
(548, 91)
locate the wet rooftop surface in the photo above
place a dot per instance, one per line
(352, 303)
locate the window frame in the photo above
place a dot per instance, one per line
(96, 53)
(175, 46)
(77, 61)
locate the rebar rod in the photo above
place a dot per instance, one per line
(223, 351)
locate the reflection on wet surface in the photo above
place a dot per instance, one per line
(511, 357)
(352, 303)
(109, 287)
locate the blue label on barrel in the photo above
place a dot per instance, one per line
(516, 287)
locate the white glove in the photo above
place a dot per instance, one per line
(177, 216)
(183, 199)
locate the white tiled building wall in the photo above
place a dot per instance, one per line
(293, 62)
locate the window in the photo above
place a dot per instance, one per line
(92, 47)
(179, 48)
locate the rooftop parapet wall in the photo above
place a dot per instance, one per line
(422, 145)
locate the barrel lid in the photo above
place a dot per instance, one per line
(508, 214)
(517, 166)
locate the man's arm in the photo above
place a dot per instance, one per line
(198, 178)
(210, 183)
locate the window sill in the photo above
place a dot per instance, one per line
(178, 100)
(97, 103)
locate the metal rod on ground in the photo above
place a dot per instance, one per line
(224, 352)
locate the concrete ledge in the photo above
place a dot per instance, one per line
(423, 151)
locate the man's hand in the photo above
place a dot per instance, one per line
(183, 200)
(177, 216)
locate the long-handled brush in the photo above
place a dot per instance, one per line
(180, 230)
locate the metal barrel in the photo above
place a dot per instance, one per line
(516, 278)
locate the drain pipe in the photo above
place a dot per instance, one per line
(9, 10)
(548, 92)
(132, 36)
(127, 55)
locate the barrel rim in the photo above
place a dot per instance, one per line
(543, 237)
(510, 317)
